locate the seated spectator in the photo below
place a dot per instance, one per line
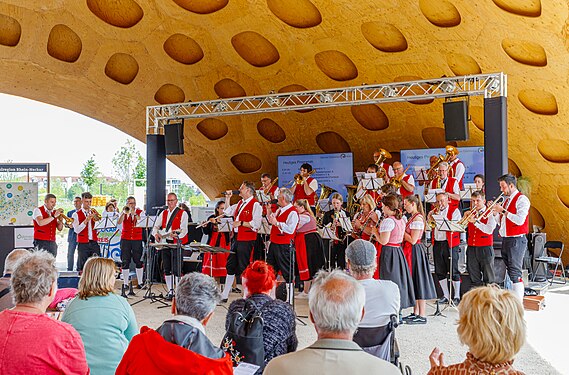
(382, 296)
(279, 327)
(104, 320)
(180, 345)
(491, 323)
(6, 298)
(30, 341)
(336, 301)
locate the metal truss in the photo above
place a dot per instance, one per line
(488, 85)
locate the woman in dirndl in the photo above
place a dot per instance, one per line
(423, 284)
(393, 264)
(364, 223)
(214, 264)
(308, 245)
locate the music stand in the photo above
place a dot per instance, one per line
(452, 227)
(328, 234)
(265, 232)
(106, 223)
(200, 248)
(262, 197)
(372, 182)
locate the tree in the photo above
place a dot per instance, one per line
(74, 191)
(128, 164)
(140, 171)
(90, 173)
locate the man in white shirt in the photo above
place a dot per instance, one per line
(456, 165)
(514, 227)
(172, 225)
(46, 221)
(84, 226)
(247, 215)
(284, 223)
(407, 180)
(307, 189)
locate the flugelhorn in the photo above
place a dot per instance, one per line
(64, 218)
(96, 215)
(299, 180)
(126, 210)
(431, 222)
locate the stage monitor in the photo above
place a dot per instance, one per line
(456, 121)
(333, 170)
(174, 137)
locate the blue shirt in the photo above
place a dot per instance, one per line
(106, 325)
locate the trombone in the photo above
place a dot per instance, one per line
(501, 198)
(299, 180)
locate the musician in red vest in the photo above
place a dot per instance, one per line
(247, 215)
(480, 253)
(445, 244)
(84, 226)
(131, 242)
(407, 181)
(284, 224)
(45, 223)
(447, 184)
(171, 224)
(362, 191)
(514, 226)
(269, 205)
(386, 166)
(456, 165)
(307, 189)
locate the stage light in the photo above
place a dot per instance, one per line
(389, 92)
(273, 101)
(173, 111)
(326, 98)
(493, 84)
(448, 86)
(220, 107)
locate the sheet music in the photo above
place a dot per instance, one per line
(373, 183)
(265, 227)
(146, 222)
(104, 223)
(360, 175)
(346, 224)
(262, 197)
(327, 233)
(324, 204)
(225, 225)
(451, 226)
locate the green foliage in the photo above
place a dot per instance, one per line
(190, 193)
(140, 171)
(74, 191)
(90, 174)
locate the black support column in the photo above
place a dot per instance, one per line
(155, 172)
(495, 143)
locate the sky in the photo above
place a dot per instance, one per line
(36, 132)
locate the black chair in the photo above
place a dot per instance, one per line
(550, 260)
(380, 341)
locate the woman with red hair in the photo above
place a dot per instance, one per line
(279, 326)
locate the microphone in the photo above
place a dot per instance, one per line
(160, 207)
(234, 192)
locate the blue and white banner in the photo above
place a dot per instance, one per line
(333, 170)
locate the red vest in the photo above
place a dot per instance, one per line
(402, 191)
(453, 203)
(83, 236)
(453, 167)
(478, 238)
(511, 228)
(129, 229)
(453, 238)
(45, 232)
(246, 215)
(176, 223)
(276, 235)
(300, 194)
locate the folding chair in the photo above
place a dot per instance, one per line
(551, 260)
(380, 341)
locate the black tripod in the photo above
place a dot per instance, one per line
(149, 266)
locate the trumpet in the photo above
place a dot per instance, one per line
(473, 213)
(488, 210)
(299, 180)
(431, 222)
(96, 215)
(63, 218)
(267, 190)
(126, 210)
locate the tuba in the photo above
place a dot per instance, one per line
(383, 155)
(325, 192)
(352, 205)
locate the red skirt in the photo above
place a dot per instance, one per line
(408, 253)
(377, 245)
(214, 264)
(301, 257)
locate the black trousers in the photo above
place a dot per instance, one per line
(49, 246)
(480, 265)
(170, 264)
(85, 251)
(441, 256)
(513, 250)
(259, 249)
(338, 255)
(280, 258)
(239, 260)
(131, 249)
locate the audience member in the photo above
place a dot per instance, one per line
(180, 345)
(6, 297)
(336, 302)
(381, 296)
(491, 323)
(30, 341)
(104, 320)
(279, 328)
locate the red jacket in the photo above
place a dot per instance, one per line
(129, 229)
(149, 353)
(300, 194)
(45, 232)
(511, 228)
(246, 215)
(83, 236)
(276, 235)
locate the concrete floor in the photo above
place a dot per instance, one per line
(417, 342)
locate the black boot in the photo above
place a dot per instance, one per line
(131, 290)
(123, 291)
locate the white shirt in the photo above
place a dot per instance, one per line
(382, 300)
(460, 169)
(522, 206)
(410, 181)
(78, 227)
(255, 223)
(387, 225)
(183, 222)
(288, 227)
(440, 235)
(487, 228)
(37, 213)
(303, 219)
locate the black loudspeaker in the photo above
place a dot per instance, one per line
(174, 138)
(456, 121)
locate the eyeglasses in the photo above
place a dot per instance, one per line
(171, 200)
